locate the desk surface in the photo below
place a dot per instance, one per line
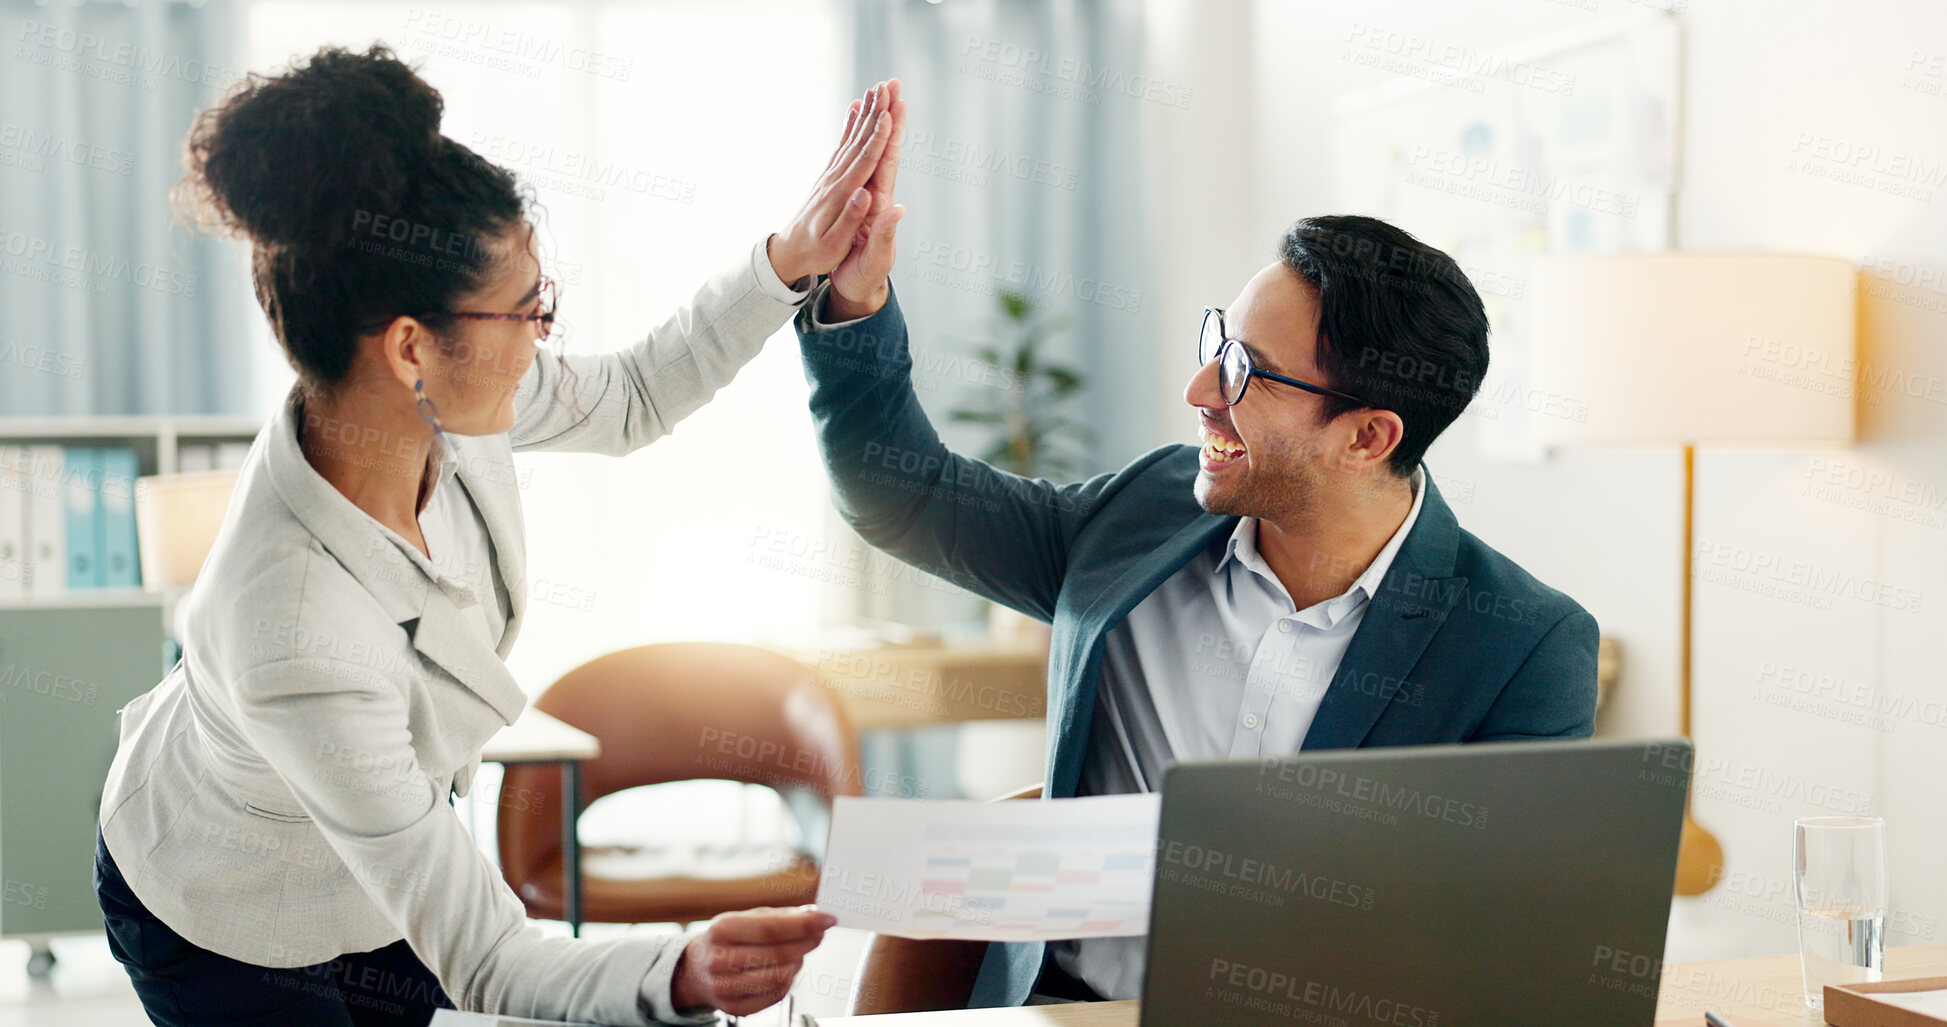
(1769, 987)
(903, 686)
(1766, 989)
(535, 737)
(1077, 1014)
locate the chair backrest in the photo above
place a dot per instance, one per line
(682, 711)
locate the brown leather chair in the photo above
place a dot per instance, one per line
(678, 712)
(909, 975)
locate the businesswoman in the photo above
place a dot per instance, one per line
(277, 845)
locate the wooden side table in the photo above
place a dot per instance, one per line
(535, 737)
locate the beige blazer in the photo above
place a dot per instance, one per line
(281, 797)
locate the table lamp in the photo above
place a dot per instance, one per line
(1682, 348)
(176, 520)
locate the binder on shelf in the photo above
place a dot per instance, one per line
(47, 531)
(119, 566)
(80, 483)
(13, 522)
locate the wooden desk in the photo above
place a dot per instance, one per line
(1767, 989)
(901, 686)
(1077, 1014)
(1770, 987)
(535, 737)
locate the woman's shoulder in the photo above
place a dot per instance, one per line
(271, 590)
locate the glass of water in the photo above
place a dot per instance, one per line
(1839, 877)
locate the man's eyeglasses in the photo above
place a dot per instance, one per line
(1234, 370)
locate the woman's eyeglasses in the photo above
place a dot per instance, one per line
(1234, 370)
(545, 296)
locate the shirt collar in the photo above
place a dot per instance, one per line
(354, 538)
(297, 471)
(447, 463)
(1242, 548)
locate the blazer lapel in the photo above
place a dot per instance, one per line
(1417, 593)
(443, 635)
(1073, 705)
(439, 629)
(486, 471)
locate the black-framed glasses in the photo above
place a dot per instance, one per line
(1234, 370)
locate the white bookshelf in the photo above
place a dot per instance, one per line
(157, 441)
(82, 599)
(115, 640)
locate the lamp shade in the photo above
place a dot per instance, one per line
(1683, 347)
(176, 520)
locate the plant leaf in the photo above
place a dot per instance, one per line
(1015, 305)
(976, 416)
(1065, 380)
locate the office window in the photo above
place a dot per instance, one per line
(663, 140)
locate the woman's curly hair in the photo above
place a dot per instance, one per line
(357, 208)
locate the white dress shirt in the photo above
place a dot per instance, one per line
(1217, 663)
(461, 564)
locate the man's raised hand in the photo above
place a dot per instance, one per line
(834, 218)
(860, 281)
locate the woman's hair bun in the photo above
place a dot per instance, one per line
(291, 159)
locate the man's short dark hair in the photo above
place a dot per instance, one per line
(1399, 324)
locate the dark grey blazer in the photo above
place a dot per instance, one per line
(1460, 644)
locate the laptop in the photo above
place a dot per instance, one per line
(1503, 885)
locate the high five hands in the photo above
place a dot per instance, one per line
(845, 228)
(745, 961)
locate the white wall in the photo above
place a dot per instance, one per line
(1766, 86)
(1204, 241)
(1764, 83)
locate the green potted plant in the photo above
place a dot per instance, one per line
(1033, 435)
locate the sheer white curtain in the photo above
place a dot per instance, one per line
(1024, 173)
(663, 140)
(110, 307)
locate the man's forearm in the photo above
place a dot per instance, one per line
(903, 491)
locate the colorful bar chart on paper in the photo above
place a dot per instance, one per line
(1006, 871)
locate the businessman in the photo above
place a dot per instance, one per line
(1293, 583)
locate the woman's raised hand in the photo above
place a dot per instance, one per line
(833, 218)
